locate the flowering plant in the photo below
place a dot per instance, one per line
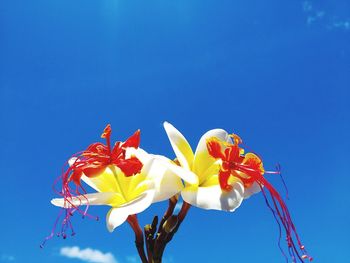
(219, 175)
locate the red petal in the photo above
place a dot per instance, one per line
(232, 154)
(94, 171)
(214, 149)
(130, 166)
(223, 180)
(117, 151)
(133, 140)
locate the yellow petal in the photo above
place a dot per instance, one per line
(202, 159)
(117, 216)
(253, 157)
(210, 176)
(180, 146)
(114, 180)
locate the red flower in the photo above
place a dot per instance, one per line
(95, 159)
(92, 162)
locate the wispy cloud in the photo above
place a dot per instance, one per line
(316, 15)
(342, 24)
(307, 6)
(7, 258)
(88, 255)
(313, 14)
(313, 18)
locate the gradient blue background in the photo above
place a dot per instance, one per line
(275, 72)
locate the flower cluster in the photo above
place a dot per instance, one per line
(217, 175)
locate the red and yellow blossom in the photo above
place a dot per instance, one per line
(125, 177)
(226, 176)
(206, 193)
(248, 169)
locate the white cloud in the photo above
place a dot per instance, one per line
(307, 6)
(317, 16)
(7, 258)
(342, 24)
(88, 255)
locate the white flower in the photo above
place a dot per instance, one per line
(158, 180)
(206, 193)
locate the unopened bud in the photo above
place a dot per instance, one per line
(155, 221)
(170, 224)
(148, 228)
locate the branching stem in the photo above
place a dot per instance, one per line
(157, 236)
(139, 241)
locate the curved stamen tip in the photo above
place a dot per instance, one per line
(235, 163)
(106, 132)
(236, 138)
(307, 257)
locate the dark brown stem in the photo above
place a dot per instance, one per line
(150, 230)
(168, 212)
(156, 240)
(167, 230)
(183, 212)
(180, 217)
(139, 241)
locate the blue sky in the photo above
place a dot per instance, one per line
(275, 72)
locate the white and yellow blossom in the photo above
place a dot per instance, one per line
(129, 185)
(206, 193)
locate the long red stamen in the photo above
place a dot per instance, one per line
(107, 135)
(283, 214)
(92, 162)
(248, 168)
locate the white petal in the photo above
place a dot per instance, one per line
(202, 159)
(90, 199)
(72, 160)
(141, 154)
(214, 198)
(181, 172)
(167, 183)
(150, 160)
(253, 189)
(180, 146)
(117, 216)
